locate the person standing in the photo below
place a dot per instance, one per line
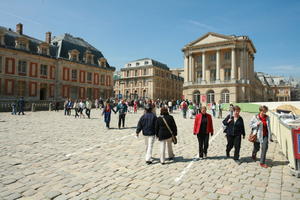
(21, 105)
(14, 108)
(203, 127)
(69, 107)
(213, 109)
(88, 108)
(170, 105)
(147, 125)
(122, 108)
(164, 135)
(96, 104)
(234, 130)
(135, 105)
(220, 108)
(260, 125)
(107, 114)
(76, 108)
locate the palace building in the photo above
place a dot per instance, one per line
(221, 68)
(147, 79)
(54, 69)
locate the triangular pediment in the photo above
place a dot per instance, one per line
(210, 38)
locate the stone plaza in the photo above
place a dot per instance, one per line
(46, 155)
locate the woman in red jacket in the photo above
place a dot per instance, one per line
(203, 126)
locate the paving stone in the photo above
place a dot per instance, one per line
(52, 194)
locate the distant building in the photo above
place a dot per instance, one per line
(148, 79)
(178, 72)
(54, 69)
(220, 68)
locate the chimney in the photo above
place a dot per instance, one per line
(19, 28)
(48, 37)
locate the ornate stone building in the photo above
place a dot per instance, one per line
(147, 78)
(58, 68)
(220, 67)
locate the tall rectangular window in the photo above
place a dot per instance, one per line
(213, 75)
(89, 76)
(22, 67)
(74, 74)
(227, 55)
(0, 64)
(44, 70)
(212, 57)
(102, 80)
(227, 74)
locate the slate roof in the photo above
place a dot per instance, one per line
(154, 63)
(59, 47)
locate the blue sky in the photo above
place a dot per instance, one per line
(126, 30)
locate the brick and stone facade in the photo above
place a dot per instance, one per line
(54, 69)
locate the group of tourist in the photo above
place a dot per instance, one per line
(18, 106)
(164, 128)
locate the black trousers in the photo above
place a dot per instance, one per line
(264, 149)
(234, 141)
(121, 119)
(88, 112)
(203, 143)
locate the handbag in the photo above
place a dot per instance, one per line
(252, 137)
(174, 139)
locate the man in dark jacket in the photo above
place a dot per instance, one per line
(21, 105)
(147, 125)
(234, 130)
(122, 109)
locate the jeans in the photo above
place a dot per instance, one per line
(121, 119)
(234, 141)
(88, 112)
(163, 144)
(264, 149)
(203, 143)
(149, 140)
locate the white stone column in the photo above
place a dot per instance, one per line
(203, 67)
(190, 68)
(186, 68)
(233, 64)
(218, 63)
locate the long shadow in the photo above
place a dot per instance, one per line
(217, 158)
(269, 162)
(113, 128)
(175, 160)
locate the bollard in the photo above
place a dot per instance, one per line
(33, 107)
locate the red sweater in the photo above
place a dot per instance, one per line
(197, 124)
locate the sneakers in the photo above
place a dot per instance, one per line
(237, 161)
(263, 165)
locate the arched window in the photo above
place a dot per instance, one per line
(196, 97)
(210, 96)
(225, 96)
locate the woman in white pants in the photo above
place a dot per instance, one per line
(147, 125)
(164, 135)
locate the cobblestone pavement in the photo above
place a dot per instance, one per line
(46, 155)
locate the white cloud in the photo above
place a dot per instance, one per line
(201, 25)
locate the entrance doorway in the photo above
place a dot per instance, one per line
(43, 94)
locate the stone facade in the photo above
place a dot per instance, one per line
(64, 67)
(220, 68)
(147, 78)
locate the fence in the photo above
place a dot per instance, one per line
(284, 134)
(5, 106)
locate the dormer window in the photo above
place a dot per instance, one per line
(137, 64)
(89, 57)
(22, 43)
(102, 62)
(43, 48)
(74, 55)
(146, 62)
(1, 38)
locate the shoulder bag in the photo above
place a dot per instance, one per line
(174, 139)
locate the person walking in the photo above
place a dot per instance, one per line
(107, 114)
(21, 105)
(69, 107)
(184, 107)
(122, 108)
(76, 108)
(234, 130)
(162, 132)
(88, 108)
(135, 106)
(260, 125)
(81, 108)
(203, 127)
(147, 125)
